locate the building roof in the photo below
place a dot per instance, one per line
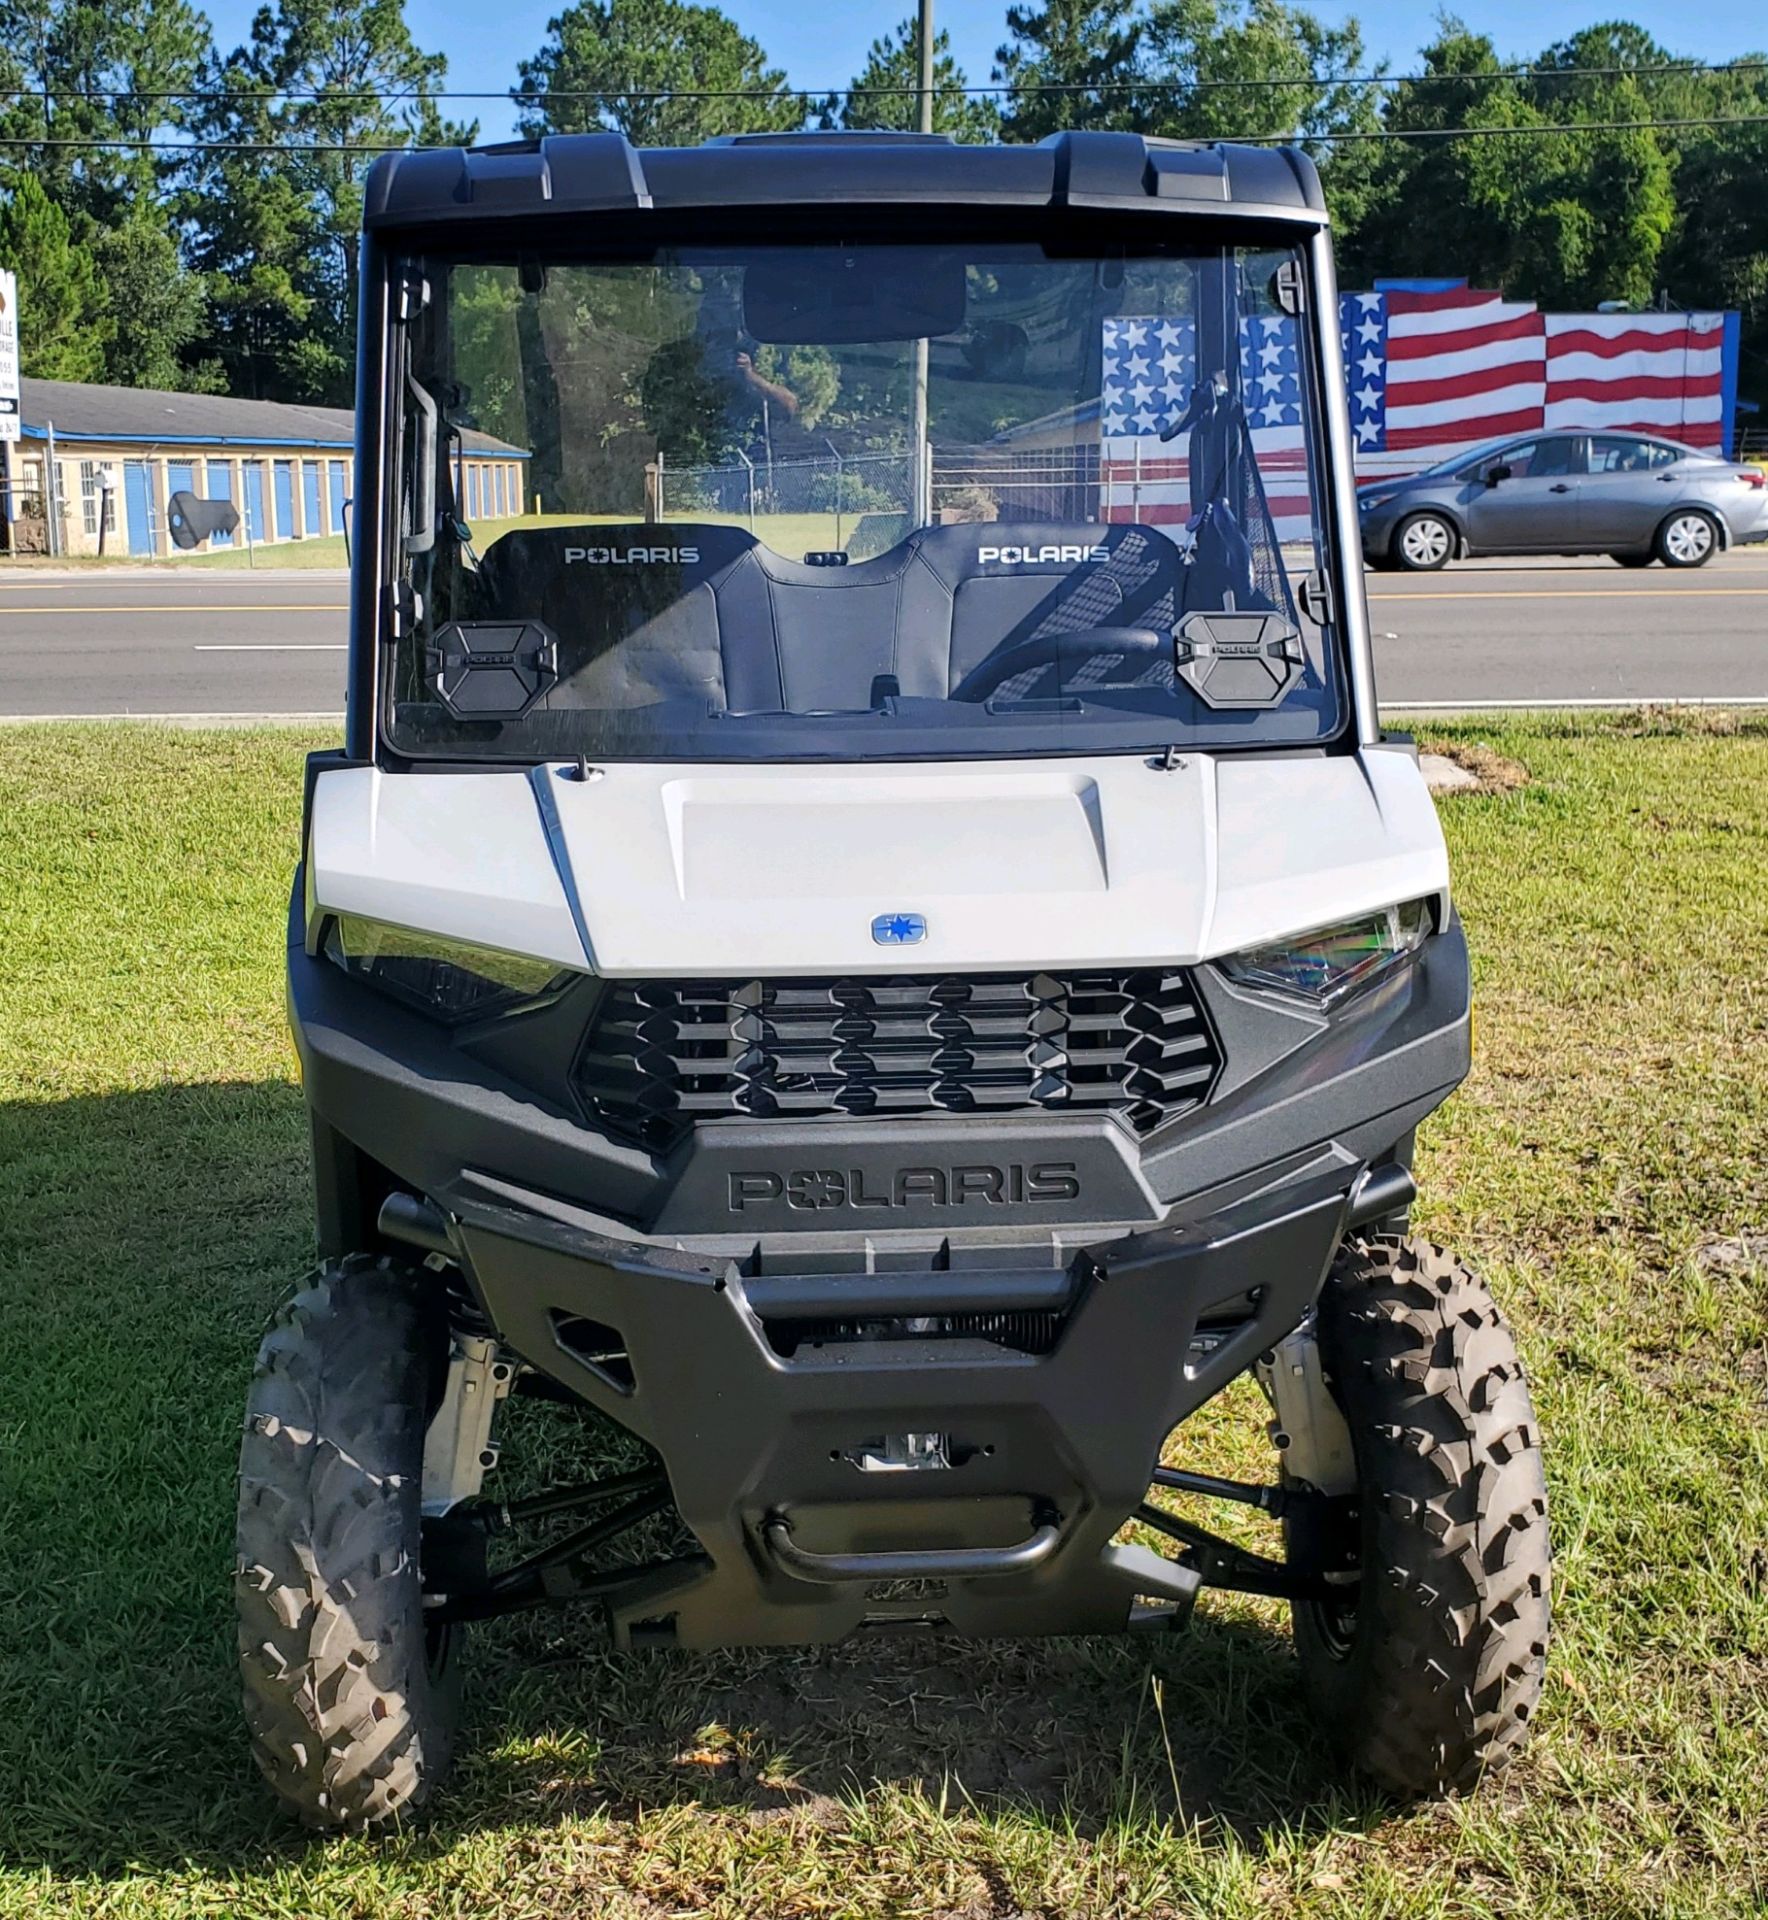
(150, 418)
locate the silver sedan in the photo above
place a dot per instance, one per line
(1627, 494)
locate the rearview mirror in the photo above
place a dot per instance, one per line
(1495, 474)
(827, 298)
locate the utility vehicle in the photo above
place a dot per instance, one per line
(866, 938)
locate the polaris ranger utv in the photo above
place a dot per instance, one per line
(866, 931)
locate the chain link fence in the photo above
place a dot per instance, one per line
(857, 503)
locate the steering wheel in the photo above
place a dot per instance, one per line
(1064, 651)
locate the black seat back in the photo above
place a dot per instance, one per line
(632, 606)
(1010, 581)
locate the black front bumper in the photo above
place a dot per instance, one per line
(1050, 1453)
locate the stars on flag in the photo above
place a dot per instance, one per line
(1363, 334)
(1150, 370)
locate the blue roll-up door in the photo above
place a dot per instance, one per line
(138, 505)
(285, 500)
(220, 488)
(180, 478)
(310, 497)
(503, 498)
(254, 471)
(337, 496)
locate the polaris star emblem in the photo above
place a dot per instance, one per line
(899, 929)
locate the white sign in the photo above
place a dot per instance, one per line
(8, 356)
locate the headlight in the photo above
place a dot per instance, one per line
(1367, 500)
(447, 979)
(1323, 967)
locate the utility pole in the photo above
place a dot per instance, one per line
(920, 483)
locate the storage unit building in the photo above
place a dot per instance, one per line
(122, 452)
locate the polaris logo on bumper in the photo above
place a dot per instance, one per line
(823, 1189)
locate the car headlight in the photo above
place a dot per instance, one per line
(450, 980)
(1367, 500)
(1322, 967)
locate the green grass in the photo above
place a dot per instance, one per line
(792, 534)
(153, 1205)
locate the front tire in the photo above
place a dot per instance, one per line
(1688, 538)
(1424, 543)
(350, 1699)
(1430, 1670)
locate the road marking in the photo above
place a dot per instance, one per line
(1581, 593)
(255, 606)
(1554, 706)
(273, 646)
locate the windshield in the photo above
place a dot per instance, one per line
(868, 501)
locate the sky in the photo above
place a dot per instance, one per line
(823, 46)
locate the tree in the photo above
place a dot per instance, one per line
(90, 73)
(1084, 52)
(298, 114)
(1564, 217)
(884, 93)
(62, 327)
(1246, 69)
(663, 72)
(154, 305)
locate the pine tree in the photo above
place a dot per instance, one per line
(299, 112)
(62, 322)
(1084, 52)
(611, 63)
(883, 94)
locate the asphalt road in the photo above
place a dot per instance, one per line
(1493, 632)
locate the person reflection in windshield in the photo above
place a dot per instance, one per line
(706, 400)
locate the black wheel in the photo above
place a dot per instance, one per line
(1687, 538)
(1634, 559)
(1430, 1668)
(350, 1699)
(1423, 543)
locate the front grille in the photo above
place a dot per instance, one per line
(662, 1055)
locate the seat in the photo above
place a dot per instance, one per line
(632, 606)
(647, 613)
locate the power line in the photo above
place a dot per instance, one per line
(528, 96)
(1286, 138)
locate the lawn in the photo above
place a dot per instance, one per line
(1607, 1163)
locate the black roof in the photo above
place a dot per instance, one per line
(603, 172)
(150, 416)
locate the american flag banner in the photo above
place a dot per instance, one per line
(1649, 370)
(1150, 373)
(1431, 368)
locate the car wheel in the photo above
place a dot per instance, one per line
(1634, 559)
(1423, 542)
(1688, 538)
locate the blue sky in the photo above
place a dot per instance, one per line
(823, 45)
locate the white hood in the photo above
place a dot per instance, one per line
(648, 870)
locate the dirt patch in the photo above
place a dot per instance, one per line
(1492, 772)
(1719, 723)
(1737, 1253)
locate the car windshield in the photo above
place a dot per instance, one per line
(862, 501)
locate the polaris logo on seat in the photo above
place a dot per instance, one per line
(821, 1189)
(1043, 556)
(634, 556)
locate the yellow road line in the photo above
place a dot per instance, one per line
(1584, 593)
